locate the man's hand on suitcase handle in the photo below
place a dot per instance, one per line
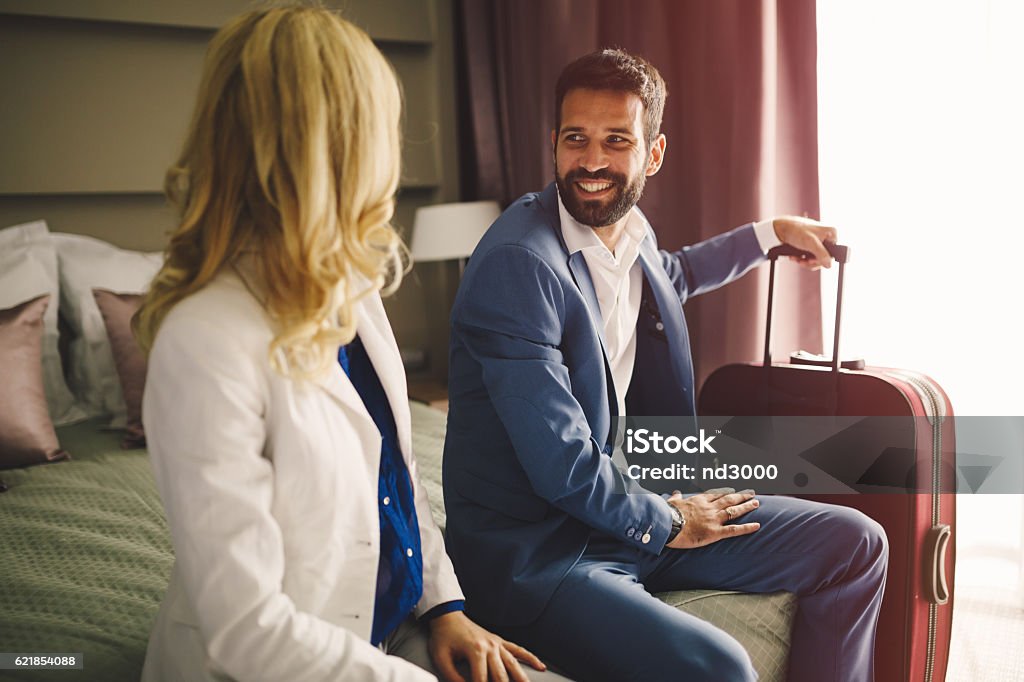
(807, 235)
(708, 515)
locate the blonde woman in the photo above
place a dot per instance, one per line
(275, 402)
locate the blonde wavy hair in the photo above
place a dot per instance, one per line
(292, 156)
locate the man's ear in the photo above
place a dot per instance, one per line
(554, 140)
(656, 155)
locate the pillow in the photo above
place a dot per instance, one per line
(117, 311)
(85, 264)
(26, 431)
(28, 268)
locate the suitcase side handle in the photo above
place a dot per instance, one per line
(935, 547)
(841, 254)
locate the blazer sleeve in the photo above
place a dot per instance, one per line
(204, 407)
(712, 263)
(511, 320)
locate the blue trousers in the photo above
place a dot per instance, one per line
(602, 623)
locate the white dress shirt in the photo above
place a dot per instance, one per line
(618, 283)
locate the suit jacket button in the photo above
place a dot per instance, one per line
(646, 538)
(630, 532)
(659, 326)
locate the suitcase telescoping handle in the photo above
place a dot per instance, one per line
(841, 254)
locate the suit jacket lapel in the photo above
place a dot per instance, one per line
(669, 307)
(340, 388)
(379, 341)
(375, 332)
(581, 276)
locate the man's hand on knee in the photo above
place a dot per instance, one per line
(708, 516)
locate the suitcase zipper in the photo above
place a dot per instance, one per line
(935, 410)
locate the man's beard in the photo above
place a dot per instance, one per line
(599, 212)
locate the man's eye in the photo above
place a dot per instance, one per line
(574, 138)
(615, 139)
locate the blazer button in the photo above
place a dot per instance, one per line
(408, 552)
(630, 532)
(660, 326)
(646, 538)
(386, 501)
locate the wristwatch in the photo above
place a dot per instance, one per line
(677, 522)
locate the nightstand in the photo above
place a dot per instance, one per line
(429, 391)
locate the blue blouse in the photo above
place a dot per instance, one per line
(400, 569)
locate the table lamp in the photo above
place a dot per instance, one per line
(451, 231)
(444, 233)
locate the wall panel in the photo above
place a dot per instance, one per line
(96, 100)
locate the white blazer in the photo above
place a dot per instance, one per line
(270, 488)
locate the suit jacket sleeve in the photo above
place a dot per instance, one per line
(510, 315)
(204, 414)
(712, 263)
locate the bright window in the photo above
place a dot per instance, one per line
(921, 134)
(921, 143)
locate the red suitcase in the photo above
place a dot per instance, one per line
(915, 622)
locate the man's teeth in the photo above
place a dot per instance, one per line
(594, 186)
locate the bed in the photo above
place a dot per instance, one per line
(86, 557)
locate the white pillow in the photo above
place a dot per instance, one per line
(87, 263)
(28, 268)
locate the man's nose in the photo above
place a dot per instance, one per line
(593, 158)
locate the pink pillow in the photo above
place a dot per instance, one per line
(26, 431)
(117, 311)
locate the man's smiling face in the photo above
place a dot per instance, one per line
(601, 156)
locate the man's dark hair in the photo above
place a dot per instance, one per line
(616, 69)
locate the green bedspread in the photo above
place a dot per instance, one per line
(84, 558)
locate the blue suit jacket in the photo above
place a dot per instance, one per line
(527, 471)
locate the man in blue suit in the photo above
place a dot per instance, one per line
(568, 316)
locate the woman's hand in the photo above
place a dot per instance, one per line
(454, 637)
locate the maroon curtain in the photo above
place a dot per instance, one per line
(741, 123)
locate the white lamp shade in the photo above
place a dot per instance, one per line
(451, 231)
